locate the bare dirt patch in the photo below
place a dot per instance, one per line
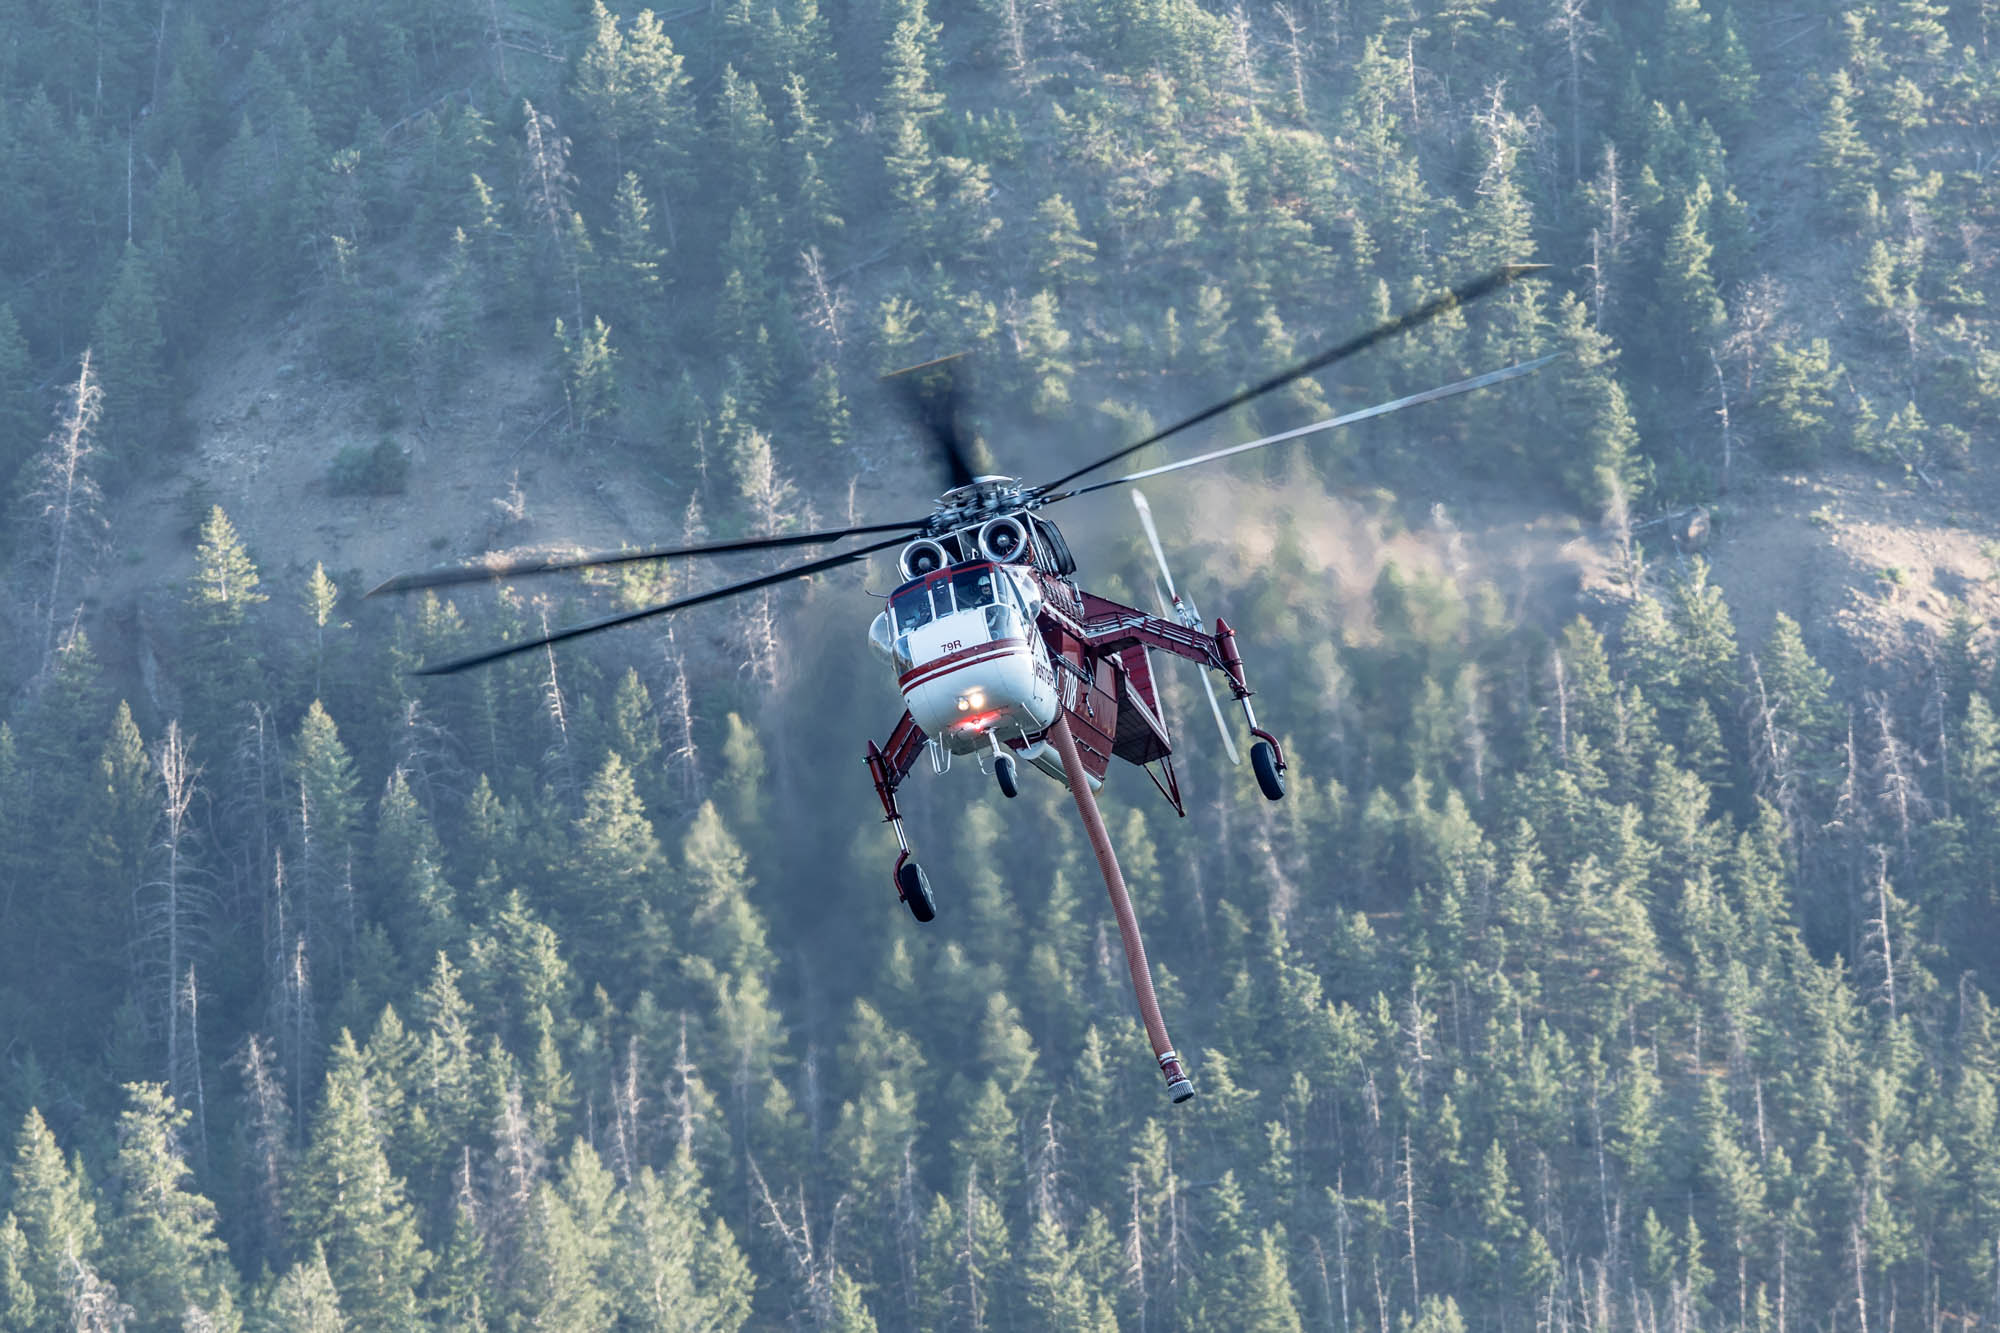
(1872, 568)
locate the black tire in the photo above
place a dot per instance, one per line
(1007, 776)
(915, 887)
(1270, 781)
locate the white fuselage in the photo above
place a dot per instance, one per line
(969, 660)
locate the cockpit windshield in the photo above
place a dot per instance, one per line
(974, 588)
(917, 604)
(911, 607)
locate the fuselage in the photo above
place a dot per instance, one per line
(968, 657)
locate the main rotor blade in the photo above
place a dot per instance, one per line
(491, 567)
(1409, 319)
(930, 394)
(1153, 536)
(1379, 410)
(678, 604)
(1208, 686)
(1228, 742)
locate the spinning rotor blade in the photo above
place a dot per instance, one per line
(931, 395)
(1153, 536)
(678, 604)
(1409, 319)
(1379, 410)
(495, 568)
(1214, 706)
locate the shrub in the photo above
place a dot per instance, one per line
(382, 470)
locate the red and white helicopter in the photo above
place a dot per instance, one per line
(997, 650)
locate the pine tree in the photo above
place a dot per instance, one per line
(745, 142)
(162, 1244)
(347, 1201)
(225, 581)
(1797, 396)
(324, 815)
(20, 424)
(909, 100)
(55, 1214)
(616, 912)
(586, 363)
(1844, 154)
(303, 1299)
(633, 260)
(559, 1275)
(1601, 467)
(132, 353)
(673, 1272)
(1691, 309)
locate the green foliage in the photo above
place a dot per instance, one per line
(1609, 956)
(1797, 399)
(382, 468)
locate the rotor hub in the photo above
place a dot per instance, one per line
(984, 498)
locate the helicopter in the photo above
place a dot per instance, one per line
(998, 652)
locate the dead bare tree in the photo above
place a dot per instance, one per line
(1295, 58)
(1722, 415)
(93, 1303)
(1893, 774)
(626, 1107)
(1576, 32)
(826, 306)
(792, 1224)
(770, 498)
(186, 1074)
(1880, 931)
(171, 908)
(559, 758)
(68, 496)
(680, 755)
(546, 183)
(1770, 746)
(270, 1130)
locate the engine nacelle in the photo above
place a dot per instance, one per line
(922, 556)
(1003, 539)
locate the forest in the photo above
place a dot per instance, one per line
(1603, 971)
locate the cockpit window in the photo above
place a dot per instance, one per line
(974, 588)
(911, 607)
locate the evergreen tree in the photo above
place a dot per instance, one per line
(162, 1245)
(617, 904)
(1798, 398)
(20, 424)
(54, 1212)
(347, 1203)
(1600, 469)
(303, 1299)
(132, 356)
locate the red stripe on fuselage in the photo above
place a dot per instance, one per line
(964, 657)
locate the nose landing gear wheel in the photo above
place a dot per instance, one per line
(1265, 761)
(914, 888)
(1007, 776)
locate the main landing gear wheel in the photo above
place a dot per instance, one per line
(1269, 780)
(913, 886)
(1007, 776)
